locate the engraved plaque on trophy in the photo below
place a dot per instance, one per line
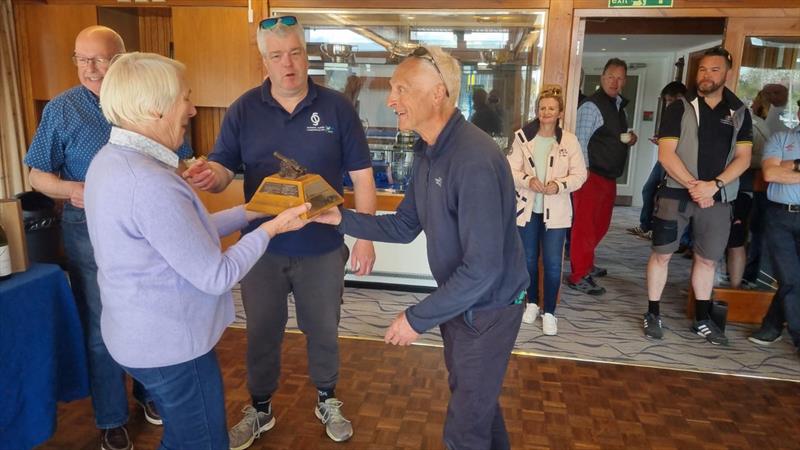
(293, 186)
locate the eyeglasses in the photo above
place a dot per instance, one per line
(422, 52)
(82, 61)
(268, 24)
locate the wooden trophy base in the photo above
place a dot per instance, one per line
(277, 194)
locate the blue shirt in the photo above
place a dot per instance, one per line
(462, 195)
(588, 121)
(164, 283)
(323, 134)
(71, 132)
(784, 145)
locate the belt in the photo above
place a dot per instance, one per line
(785, 207)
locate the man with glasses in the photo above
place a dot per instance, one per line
(319, 128)
(462, 195)
(71, 132)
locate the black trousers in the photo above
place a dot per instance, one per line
(477, 347)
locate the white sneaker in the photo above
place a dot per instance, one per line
(549, 327)
(531, 313)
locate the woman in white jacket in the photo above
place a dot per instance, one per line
(547, 164)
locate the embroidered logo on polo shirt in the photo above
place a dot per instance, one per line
(727, 120)
(315, 126)
(438, 181)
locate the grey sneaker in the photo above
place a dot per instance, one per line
(652, 326)
(250, 427)
(640, 233)
(709, 330)
(330, 413)
(598, 272)
(587, 285)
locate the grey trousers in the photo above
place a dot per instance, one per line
(317, 283)
(477, 347)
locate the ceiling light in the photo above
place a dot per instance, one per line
(602, 49)
(623, 39)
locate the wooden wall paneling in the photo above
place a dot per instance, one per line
(219, 60)
(50, 34)
(413, 4)
(558, 37)
(205, 128)
(155, 30)
(45, 37)
(153, 4)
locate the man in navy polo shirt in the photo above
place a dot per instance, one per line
(320, 129)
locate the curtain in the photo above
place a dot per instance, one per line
(13, 174)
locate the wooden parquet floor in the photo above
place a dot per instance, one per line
(397, 397)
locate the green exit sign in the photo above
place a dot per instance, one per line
(640, 3)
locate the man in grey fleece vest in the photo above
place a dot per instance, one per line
(704, 145)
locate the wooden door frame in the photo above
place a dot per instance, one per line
(768, 22)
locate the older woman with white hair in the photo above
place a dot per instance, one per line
(164, 282)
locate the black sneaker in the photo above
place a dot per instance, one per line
(652, 326)
(116, 439)
(709, 330)
(151, 414)
(598, 272)
(765, 336)
(587, 286)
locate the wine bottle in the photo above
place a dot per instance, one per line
(5, 255)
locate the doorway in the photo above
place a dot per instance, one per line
(657, 51)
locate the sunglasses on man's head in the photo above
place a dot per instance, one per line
(270, 23)
(422, 52)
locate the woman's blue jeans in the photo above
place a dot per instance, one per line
(536, 239)
(189, 396)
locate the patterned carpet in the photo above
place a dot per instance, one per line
(602, 329)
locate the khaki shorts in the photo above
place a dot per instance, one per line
(710, 227)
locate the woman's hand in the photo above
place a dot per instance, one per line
(551, 188)
(536, 185)
(289, 220)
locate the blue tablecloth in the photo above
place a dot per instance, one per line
(42, 356)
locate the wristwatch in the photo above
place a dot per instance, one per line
(720, 184)
(797, 165)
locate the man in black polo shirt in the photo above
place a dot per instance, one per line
(319, 128)
(704, 145)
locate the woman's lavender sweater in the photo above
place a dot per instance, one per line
(164, 282)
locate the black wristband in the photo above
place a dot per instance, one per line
(797, 165)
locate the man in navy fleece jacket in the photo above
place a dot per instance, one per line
(462, 195)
